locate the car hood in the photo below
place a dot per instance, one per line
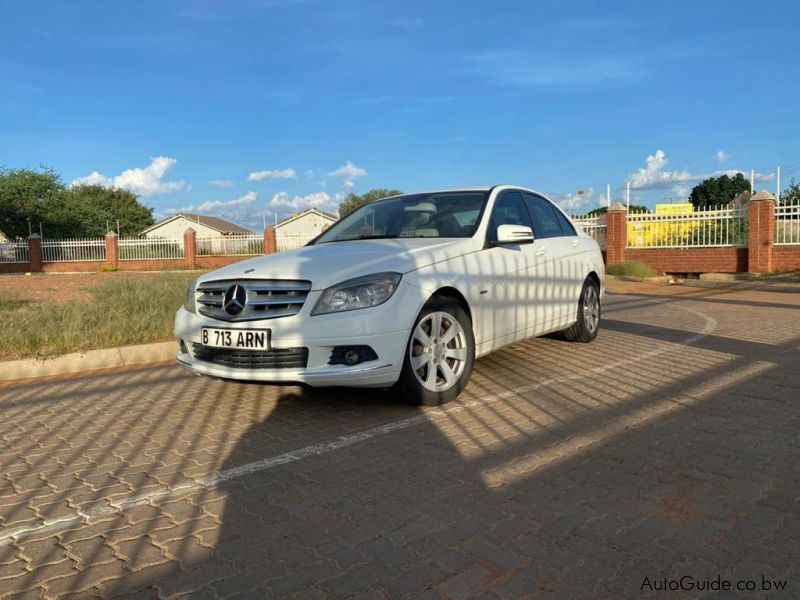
(327, 264)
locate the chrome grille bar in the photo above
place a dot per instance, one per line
(266, 298)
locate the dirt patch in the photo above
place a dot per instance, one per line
(60, 287)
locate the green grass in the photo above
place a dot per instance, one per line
(632, 268)
(134, 310)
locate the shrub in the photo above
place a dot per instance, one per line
(632, 268)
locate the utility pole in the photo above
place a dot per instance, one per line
(628, 196)
(778, 186)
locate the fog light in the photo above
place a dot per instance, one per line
(183, 348)
(351, 355)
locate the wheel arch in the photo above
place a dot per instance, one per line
(596, 278)
(454, 294)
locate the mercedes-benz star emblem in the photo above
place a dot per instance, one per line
(234, 300)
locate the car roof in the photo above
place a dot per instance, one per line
(485, 188)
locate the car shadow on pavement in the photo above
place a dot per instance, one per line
(546, 477)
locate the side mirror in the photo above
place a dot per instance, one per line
(514, 234)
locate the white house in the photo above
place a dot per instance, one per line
(301, 228)
(175, 226)
(227, 237)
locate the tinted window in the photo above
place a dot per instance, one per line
(566, 226)
(545, 221)
(509, 209)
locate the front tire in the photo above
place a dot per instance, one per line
(588, 323)
(439, 355)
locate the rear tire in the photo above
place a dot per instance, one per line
(585, 328)
(439, 355)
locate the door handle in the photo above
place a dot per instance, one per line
(576, 244)
(542, 250)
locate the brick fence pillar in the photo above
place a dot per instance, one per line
(112, 250)
(760, 232)
(190, 248)
(616, 234)
(270, 242)
(35, 253)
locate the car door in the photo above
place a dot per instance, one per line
(554, 281)
(512, 269)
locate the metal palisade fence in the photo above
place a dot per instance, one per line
(73, 249)
(595, 227)
(249, 244)
(291, 241)
(15, 251)
(703, 228)
(787, 224)
(150, 248)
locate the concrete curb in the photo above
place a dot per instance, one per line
(657, 279)
(761, 286)
(79, 362)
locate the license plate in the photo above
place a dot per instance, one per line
(245, 339)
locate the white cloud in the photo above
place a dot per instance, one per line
(721, 156)
(654, 175)
(321, 200)
(574, 202)
(217, 206)
(146, 181)
(221, 183)
(348, 171)
(681, 191)
(272, 174)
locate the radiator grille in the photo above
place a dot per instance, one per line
(262, 298)
(277, 358)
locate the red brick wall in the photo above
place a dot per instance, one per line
(70, 267)
(761, 235)
(14, 267)
(215, 262)
(692, 260)
(785, 258)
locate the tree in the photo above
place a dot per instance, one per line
(791, 195)
(39, 197)
(352, 201)
(100, 207)
(716, 191)
(25, 195)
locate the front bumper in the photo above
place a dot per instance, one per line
(384, 328)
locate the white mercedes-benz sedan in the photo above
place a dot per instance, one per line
(404, 292)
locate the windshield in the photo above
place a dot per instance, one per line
(437, 215)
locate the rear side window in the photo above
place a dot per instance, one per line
(566, 226)
(545, 221)
(509, 209)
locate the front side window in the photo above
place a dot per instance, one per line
(442, 215)
(509, 209)
(545, 221)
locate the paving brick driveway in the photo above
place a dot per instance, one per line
(668, 448)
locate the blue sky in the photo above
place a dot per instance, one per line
(267, 107)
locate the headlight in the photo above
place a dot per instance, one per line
(189, 302)
(361, 292)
